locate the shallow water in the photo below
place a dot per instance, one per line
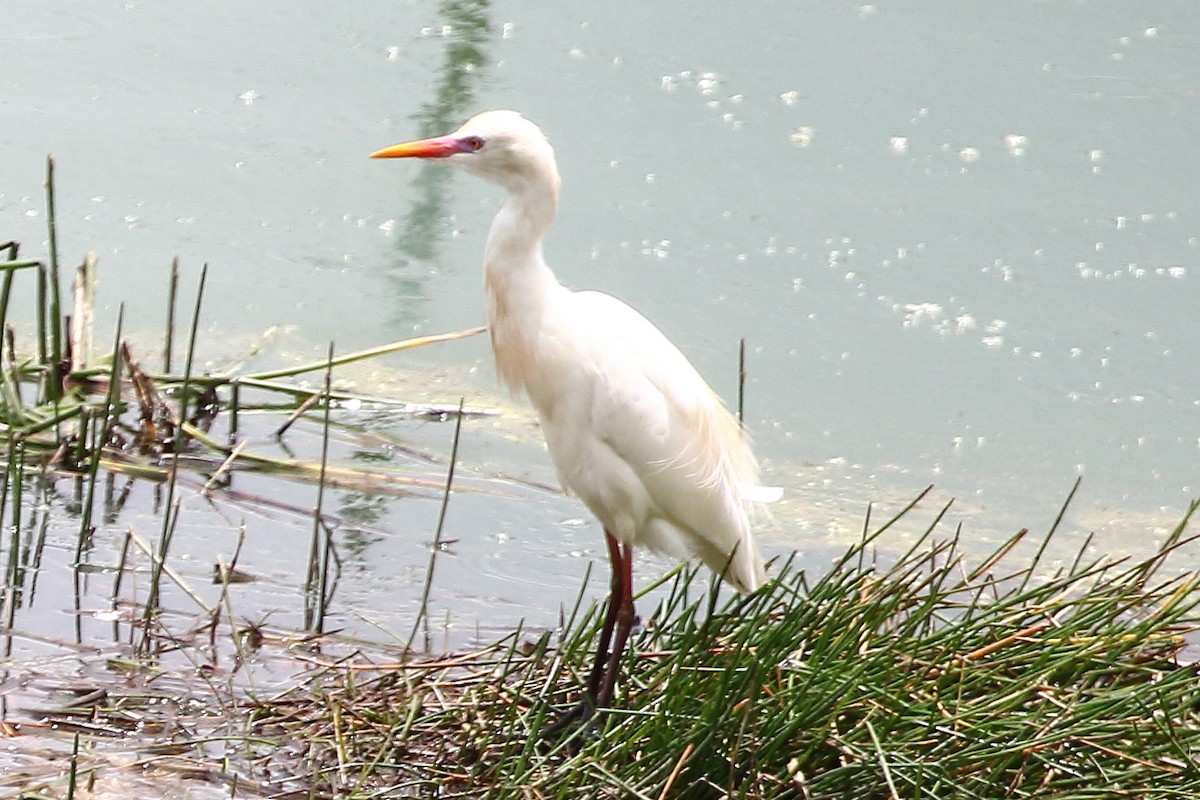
(960, 242)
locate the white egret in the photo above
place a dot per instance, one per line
(633, 429)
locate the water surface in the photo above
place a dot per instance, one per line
(960, 241)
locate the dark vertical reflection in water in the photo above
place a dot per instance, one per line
(424, 224)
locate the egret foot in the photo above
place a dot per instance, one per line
(575, 724)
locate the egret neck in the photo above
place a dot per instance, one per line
(517, 283)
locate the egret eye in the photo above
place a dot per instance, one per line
(473, 143)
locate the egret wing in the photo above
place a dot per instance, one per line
(655, 411)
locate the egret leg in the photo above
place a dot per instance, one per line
(616, 590)
(618, 616)
(622, 601)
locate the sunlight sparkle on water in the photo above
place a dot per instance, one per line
(802, 136)
(1015, 144)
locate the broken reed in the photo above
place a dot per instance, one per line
(67, 413)
(935, 675)
(316, 583)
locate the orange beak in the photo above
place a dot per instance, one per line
(438, 147)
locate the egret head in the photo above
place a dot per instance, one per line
(500, 146)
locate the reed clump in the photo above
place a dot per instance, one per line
(933, 676)
(67, 412)
(66, 408)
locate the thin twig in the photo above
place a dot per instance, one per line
(437, 536)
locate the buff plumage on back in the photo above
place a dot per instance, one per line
(687, 452)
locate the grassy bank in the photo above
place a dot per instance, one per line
(930, 676)
(922, 674)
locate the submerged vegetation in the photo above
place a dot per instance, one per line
(928, 673)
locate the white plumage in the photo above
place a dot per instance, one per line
(633, 429)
